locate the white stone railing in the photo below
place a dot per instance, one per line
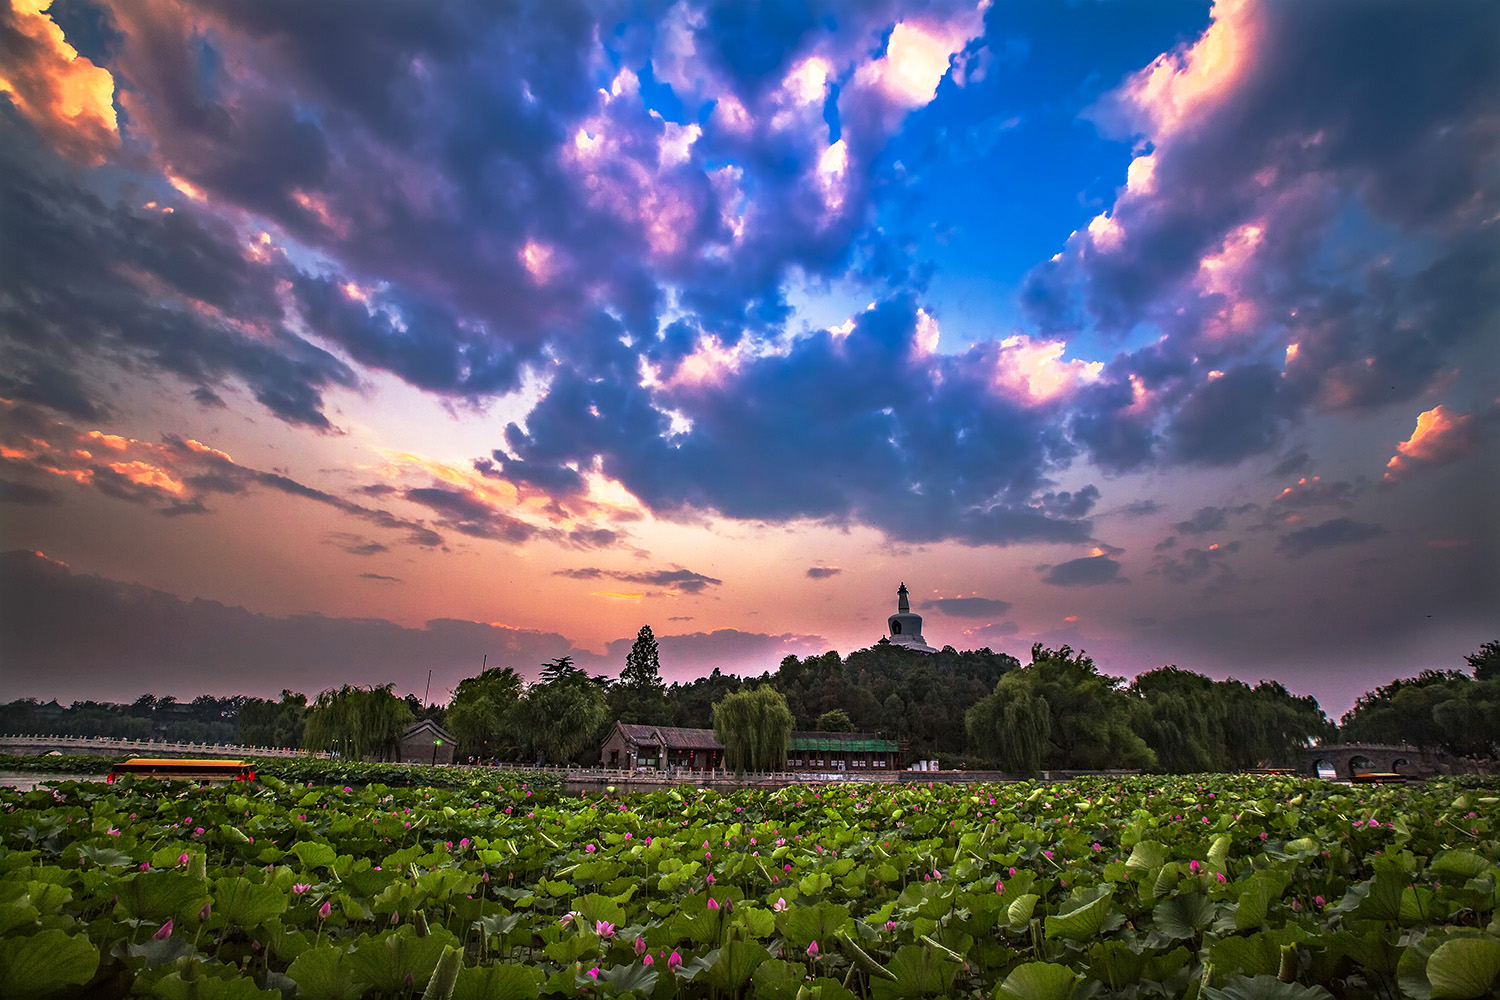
(142, 747)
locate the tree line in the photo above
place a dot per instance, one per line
(977, 709)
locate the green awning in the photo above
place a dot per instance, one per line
(853, 746)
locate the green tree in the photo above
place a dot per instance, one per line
(559, 719)
(835, 721)
(1014, 727)
(1076, 716)
(1486, 662)
(642, 664)
(1403, 710)
(754, 725)
(482, 713)
(266, 723)
(558, 668)
(358, 722)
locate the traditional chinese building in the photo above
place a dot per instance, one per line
(634, 747)
(659, 747)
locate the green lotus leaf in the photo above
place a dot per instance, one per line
(1183, 916)
(736, 963)
(159, 895)
(1039, 981)
(1264, 988)
(174, 987)
(385, 960)
(1147, 855)
(1464, 968)
(918, 972)
(1460, 863)
(1019, 913)
(325, 972)
(1083, 921)
(45, 962)
(777, 980)
(498, 982)
(238, 902)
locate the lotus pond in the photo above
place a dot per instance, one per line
(1201, 887)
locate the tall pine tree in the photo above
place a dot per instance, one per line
(642, 665)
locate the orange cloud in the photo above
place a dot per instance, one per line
(1179, 86)
(1440, 438)
(64, 96)
(146, 474)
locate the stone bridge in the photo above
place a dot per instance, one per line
(1346, 760)
(109, 746)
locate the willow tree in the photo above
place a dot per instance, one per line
(357, 722)
(482, 713)
(1014, 727)
(754, 726)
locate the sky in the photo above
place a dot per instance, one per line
(341, 342)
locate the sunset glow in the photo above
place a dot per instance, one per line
(378, 342)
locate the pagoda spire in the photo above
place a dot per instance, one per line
(902, 604)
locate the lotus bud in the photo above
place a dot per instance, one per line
(325, 910)
(640, 947)
(646, 961)
(204, 912)
(165, 931)
(674, 960)
(812, 950)
(395, 918)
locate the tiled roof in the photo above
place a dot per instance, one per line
(427, 725)
(675, 737)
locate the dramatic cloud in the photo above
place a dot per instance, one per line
(1085, 572)
(968, 607)
(61, 94)
(867, 426)
(1268, 145)
(1440, 438)
(177, 476)
(1329, 534)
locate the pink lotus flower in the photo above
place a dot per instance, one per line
(646, 961)
(673, 961)
(182, 860)
(640, 946)
(588, 848)
(325, 910)
(604, 929)
(999, 888)
(890, 926)
(395, 918)
(1193, 867)
(812, 950)
(779, 906)
(711, 904)
(300, 887)
(1220, 877)
(165, 931)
